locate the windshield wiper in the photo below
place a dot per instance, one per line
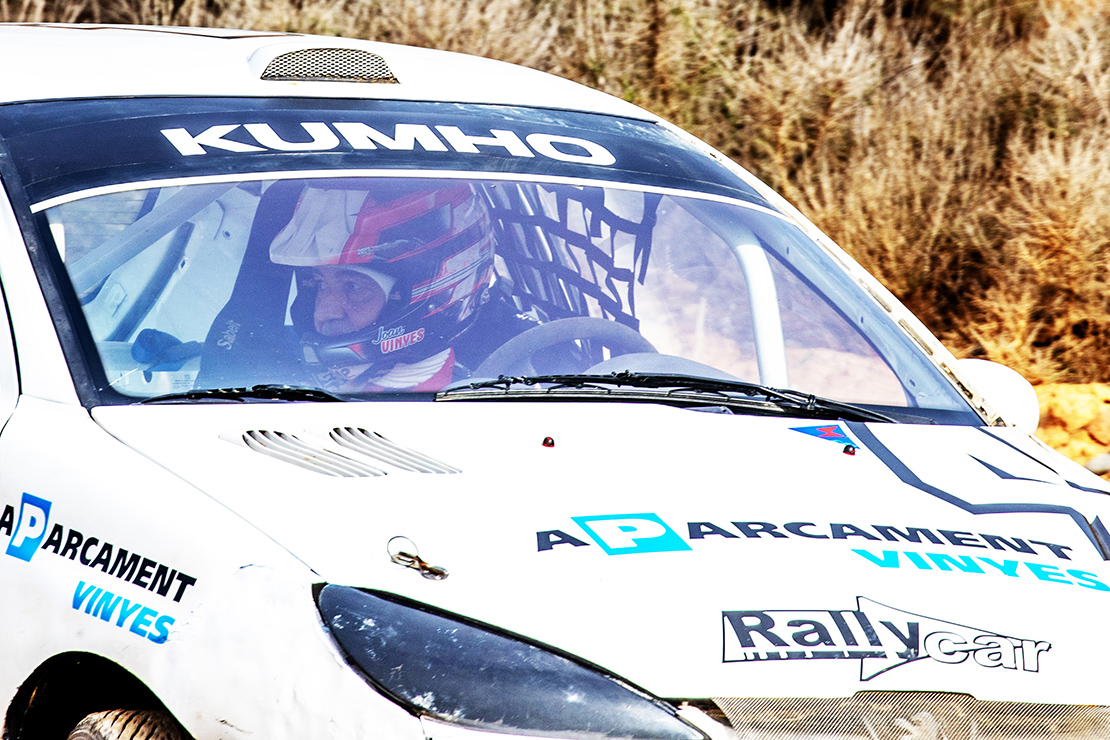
(268, 392)
(678, 388)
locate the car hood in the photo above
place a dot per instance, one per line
(695, 554)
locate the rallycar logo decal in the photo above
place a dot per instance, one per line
(28, 536)
(354, 135)
(880, 637)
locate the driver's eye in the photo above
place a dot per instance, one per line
(355, 289)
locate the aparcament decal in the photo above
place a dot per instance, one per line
(32, 532)
(880, 637)
(624, 534)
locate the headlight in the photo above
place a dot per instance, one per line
(459, 672)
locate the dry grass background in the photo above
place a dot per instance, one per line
(960, 149)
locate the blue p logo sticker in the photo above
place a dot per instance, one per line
(620, 534)
(34, 513)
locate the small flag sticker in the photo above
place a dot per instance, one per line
(831, 432)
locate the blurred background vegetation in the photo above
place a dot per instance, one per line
(959, 149)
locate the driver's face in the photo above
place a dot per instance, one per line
(346, 300)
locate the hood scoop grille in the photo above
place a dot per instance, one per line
(329, 65)
(374, 445)
(359, 446)
(291, 449)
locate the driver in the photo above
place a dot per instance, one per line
(388, 277)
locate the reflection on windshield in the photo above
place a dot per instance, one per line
(367, 285)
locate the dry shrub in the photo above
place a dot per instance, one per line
(893, 147)
(958, 148)
(964, 163)
(1049, 307)
(1053, 219)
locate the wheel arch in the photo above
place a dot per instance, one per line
(65, 688)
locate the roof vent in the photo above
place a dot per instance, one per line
(329, 65)
(374, 445)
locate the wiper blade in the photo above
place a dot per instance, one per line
(268, 392)
(782, 398)
(625, 378)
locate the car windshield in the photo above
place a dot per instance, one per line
(297, 253)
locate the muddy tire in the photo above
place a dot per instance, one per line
(126, 724)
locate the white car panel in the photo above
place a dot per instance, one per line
(91, 61)
(529, 497)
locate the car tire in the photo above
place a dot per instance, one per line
(128, 724)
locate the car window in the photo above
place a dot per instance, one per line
(233, 264)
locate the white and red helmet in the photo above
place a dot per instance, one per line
(427, 243)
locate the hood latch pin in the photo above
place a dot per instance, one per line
(399, 554)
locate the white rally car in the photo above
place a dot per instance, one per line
(359, 391)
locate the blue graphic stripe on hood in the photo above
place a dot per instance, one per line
(1040, 462)
(907, 476)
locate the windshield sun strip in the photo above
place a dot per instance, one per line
(394, 173)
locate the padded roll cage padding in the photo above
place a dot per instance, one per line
(246, 343)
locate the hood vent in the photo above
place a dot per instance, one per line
(290, 449)
(365, 447)
(329, 65)
(374, 445)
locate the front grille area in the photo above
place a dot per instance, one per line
(909, 715)
(329, 65)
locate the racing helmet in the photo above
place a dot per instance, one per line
(428, 245)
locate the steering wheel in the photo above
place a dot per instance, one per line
(512, 357)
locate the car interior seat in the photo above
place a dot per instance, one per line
(247, 343)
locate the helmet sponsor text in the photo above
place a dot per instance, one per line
(391, 340)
